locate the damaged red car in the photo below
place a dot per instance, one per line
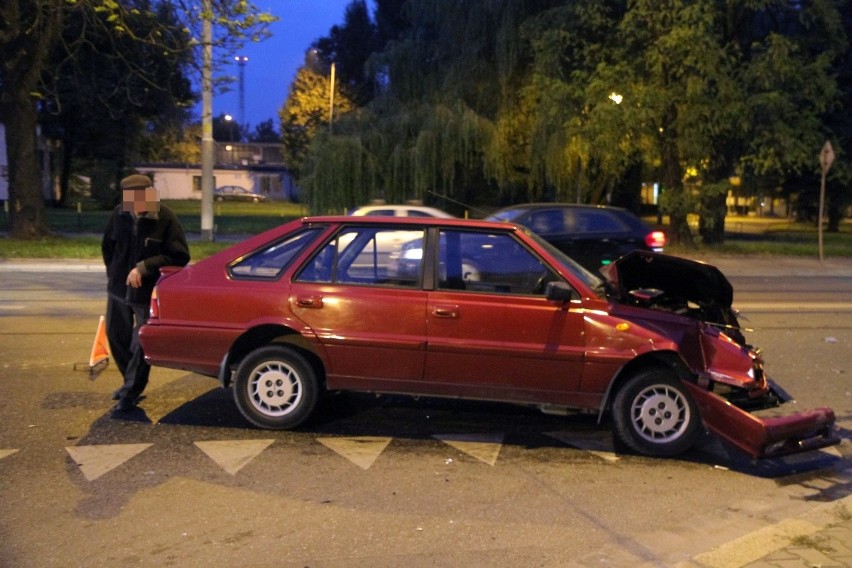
(473, 310)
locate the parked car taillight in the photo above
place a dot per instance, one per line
(154, 307)
(656, 240)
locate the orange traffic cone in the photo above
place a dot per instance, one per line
(100, 349)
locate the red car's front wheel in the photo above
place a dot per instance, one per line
(653, 414)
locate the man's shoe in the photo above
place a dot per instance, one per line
(126, 404)
(116, 395)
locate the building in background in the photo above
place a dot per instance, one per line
(257, 167)
(45, 155)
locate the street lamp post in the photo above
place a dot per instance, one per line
(241, 61)
(331, 99)
(230, 120)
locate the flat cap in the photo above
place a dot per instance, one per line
(136, 181)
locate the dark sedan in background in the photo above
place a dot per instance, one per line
(592, 235)
(236, 193)
(482, 310)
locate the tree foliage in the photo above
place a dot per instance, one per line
(113, 66)
(308, 108)
(487, 103)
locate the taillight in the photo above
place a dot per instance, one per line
(154, 307)
(656, 240)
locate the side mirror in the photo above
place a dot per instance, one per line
(559, 292)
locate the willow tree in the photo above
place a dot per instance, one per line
(576, 151)
(441, 86)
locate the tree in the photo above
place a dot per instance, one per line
(517, 100)
(31, 32)
(350, 46)
(99, 110)
(265, 133)
(712, 91)
(226, 128)
(307, 109)
(28, 33)
(176, 145)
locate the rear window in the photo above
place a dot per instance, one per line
(571, 220)
(576, 221)
(270, 262)
(599, 221)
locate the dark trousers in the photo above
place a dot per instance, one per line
(123, 321)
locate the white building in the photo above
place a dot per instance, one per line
(257, 167)
(44, 155)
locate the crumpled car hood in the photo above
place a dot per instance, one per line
(677, 277)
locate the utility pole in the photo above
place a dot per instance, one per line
(207, 123)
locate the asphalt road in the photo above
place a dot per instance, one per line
(387, 481)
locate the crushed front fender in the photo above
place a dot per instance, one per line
(763, 438)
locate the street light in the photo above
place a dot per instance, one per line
(241, 61)
(230, 120)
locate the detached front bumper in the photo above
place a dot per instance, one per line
(765, 437)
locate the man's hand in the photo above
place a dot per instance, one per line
(134, 279)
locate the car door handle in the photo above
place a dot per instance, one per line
(309, 301)
(447, 312)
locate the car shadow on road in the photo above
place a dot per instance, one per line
(423, 418)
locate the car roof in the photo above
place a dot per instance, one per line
(405, 221)
(559, 206)
(357, 211)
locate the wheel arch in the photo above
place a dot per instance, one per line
(261, 336)
(668, 360)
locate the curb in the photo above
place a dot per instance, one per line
(789, 533)
(52, 265)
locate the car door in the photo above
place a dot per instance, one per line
(491, 331)
(370, 320)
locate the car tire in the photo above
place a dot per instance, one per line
(275, 388)
(654, 415)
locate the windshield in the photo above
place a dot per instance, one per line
(594, 282)
(505, 215)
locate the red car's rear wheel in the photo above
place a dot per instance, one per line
(275, 388)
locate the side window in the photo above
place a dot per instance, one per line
(547, 222)
(490, 262)
(270, 262)
(601, 221)
(370, 256)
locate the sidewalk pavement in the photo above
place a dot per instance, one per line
(820, 538)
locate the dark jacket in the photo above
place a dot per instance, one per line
(148, 242)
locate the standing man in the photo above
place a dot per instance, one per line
(141, 237)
